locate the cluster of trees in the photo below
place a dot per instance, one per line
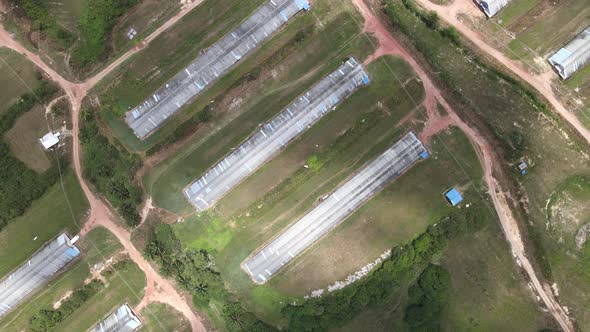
(427, 298)
(96, 22)
(19, 185)
(194, 270)
(110, 169)
(47, 319)
(38, 13)
(384, 282)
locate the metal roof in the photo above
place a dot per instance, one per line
(35, 272)
(454, 196)
(275, 134)
(492, 7)
(572, 56)
(49, 140)
(122, 320)
(213, 63)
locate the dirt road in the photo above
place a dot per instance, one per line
(541, 83)
(158, 289)
(388, 45)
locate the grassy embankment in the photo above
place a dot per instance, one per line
(526, 130)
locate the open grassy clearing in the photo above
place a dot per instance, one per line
(98, 245)
(525, 132)
(308, 38)
(487, 294)
(295, 74)
(163, 58)
(17, 74)
(401, 212)
(161, 317)
(145, 17)
(359, 129)
(45, 219)
(66, 12)
(23, 139)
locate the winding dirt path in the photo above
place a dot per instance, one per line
(388, 45)
(541, 82)
(158, 289)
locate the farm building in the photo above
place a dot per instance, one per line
(572, 56)
(122, 320)
(49, 140)
(491, 7)
(36, 271)
(454, 197)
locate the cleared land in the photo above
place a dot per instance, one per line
(530, 134)
(212, 64)
(123, 286)
(44, 220)
(17, 74)
(163, 318)
(23, 139)
(276, 134)
(335, 208)
(36, 272)
(292, 73)
(361, 128)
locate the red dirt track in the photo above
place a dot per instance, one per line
(435, 123)
(158, 289)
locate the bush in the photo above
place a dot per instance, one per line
(47, 319)
(19, 185)
(37, 11)
(110, 169)
(427, 298)
(96, 22)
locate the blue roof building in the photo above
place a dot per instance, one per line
(454, 197)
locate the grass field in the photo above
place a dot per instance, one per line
(16, 76)
(144, 18)
(163, 318)
(487, 294)
(540, 29)
(98, 245)
(281, 61)
(527, 133)
(266, 97)
(66, 12)
(357, 130)
(23, 139)
(47, 217)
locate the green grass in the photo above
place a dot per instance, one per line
(266, 98)
(126, 286)
(17, 76)
(67, 12)
(515, 10)
(331, 36)
(554, 152)
(23, 139)
(161, 317)
(557, 26)
(359, 129)
(45, 219)
(96, 247)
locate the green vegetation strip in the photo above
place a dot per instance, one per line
(20, 185)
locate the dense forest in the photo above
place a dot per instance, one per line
(19, 185)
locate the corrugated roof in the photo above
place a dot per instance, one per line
(454, 196)
(122, 320)
(572, 56)
(492, 7)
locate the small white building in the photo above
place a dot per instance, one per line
(492, 7)
(50, 140)
(572, 56)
